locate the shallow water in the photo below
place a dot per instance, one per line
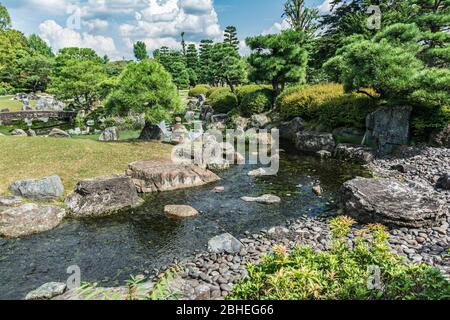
(109, 249)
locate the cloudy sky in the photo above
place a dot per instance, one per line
(112, 26)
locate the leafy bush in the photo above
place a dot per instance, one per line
(5, 88)
(224, 102)
(199, 90)
(216, 90)
(242, 91)
(342, 273)
(302, 102)
(255, 102)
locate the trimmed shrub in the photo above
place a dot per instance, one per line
(5, 88)
(217, 90)
(342, 273)
(303, 102)
(242, 91)
(199, 90)
(255, 102)
(223, 102)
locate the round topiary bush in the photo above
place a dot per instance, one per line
(255, 102)
(199, 90)
(224, 102)
(216, 90)
(242, 91)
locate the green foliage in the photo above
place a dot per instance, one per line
(204, 73)
(199, 90)
(227, 66)
(5, 88)
(5, 19)
(33, 72)
(78, 75)
(144, 87)
(223, 102)
(215, 91)
(256, 102)
(242, 91)
(301, 18)
(140, 50)
(39, 46)
(192, 63)
(343, 273)
(278, 59)
(175, 63)
(230, 37)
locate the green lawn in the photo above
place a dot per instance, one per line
(6, 102)
(71, 159)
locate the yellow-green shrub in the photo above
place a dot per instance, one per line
(199, 90)
(216, 90)
(305, 101)
(242, 91)
(223, 102)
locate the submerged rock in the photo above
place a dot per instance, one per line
(224, 243)
(47, 291)
(265, 199)
(99, 196)
(354, 153)
(154, 176)
(45, 188)
(391, 203)
(29, 219)
(180, 211)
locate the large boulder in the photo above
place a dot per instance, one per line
(309, 141)
(289, 129)
(19, 133)
(45, 188)
(354, 153)
(155, 176)
(389, 202)
(388, 127)
(110, 134)
(180, 211)
(444, 182)
(29, 219)
(151, 132)
(58, 133)
(101, 196)
(259, 121)
(47, 291)
(224, 243)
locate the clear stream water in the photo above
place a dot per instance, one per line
(109, 249)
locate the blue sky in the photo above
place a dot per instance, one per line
(112, 26)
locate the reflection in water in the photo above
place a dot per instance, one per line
(109, 249)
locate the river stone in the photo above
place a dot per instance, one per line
(154, 176)
(58, 133)
(10, 201)
(388, 127)
(180, 211)
(110, 134)
(19, 133)
(277, 233)
(103, 195)
(224, 243)
(389, 202)
(288, 130)
(444, 182)
(46, 188)
(354, 153)
(314, 141)
(47, 291)
(29, 219)
(265, 199)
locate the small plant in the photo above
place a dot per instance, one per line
(367, 271)
(199, 90)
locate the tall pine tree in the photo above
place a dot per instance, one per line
(230, 37)
(140, 51)
(205, 75)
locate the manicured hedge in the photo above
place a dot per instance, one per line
(216, 90)
(242, 91)
(255, 102)
(223, 102)
(199, 90)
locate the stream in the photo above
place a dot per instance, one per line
(110, 249)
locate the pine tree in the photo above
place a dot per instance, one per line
(183, 43)
(140, 51)
(192, 62)
(299, 17)
(230, 37)
(205, 75)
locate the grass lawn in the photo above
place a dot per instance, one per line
(6, 102)
(71, 159)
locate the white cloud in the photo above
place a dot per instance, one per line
(325, 7)
(59, 37)
(95, 24)
(277, 27)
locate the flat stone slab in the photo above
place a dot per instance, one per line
(103, 195)
(392, 203)
(156, 176)
(180, 211)
(29, 219)
(47, 291)
(45, 188)
(264, 199)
